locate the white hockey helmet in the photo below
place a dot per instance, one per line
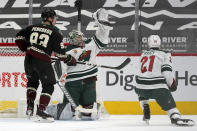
(154, 41)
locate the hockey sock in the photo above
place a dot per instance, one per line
(142, 102)
(31, 96)
(44, 100)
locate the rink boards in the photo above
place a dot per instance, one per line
(115, 87)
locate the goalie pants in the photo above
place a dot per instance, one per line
(82, 91)
(162, 96)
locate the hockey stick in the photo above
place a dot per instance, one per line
(126, 62)
(67, 94)
(61, 82)
(78, 4)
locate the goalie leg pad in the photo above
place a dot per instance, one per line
(67, 113)
(52, 110)
(92, 113)
(96, 115)
(60, 111)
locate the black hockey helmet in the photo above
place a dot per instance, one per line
(48, 13)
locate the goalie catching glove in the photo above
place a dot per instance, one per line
(101, 17)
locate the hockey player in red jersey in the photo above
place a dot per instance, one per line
(156, 81)
(39, 41)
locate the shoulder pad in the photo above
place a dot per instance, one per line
(57, 29)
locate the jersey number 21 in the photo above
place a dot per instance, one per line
(144, 60)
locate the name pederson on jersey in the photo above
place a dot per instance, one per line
(94, 45)
(151, 67)
(41, 40)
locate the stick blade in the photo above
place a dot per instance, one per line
(126, 62)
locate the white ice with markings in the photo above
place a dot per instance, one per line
(111, 123)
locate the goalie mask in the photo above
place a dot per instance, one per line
(154, 41)
(77, 38)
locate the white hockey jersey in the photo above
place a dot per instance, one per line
(155, 70)
(95, 44)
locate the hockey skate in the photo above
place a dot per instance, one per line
(146, 111)
(30, 110)
(43, 116)
(182, 122)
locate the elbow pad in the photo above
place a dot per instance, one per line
(22, 45)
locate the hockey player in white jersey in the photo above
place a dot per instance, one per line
(156, 81)
(81, 80)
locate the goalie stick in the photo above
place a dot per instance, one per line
(61, 78)
(126, 62)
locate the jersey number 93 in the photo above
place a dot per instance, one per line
(40, 39)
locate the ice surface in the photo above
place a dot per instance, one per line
(111, 123)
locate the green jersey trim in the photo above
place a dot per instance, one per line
(150, 81)
(166, 67)
(76, 72)
(99, 44)
(79, 74)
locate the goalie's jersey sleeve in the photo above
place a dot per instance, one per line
(152, 65)
(41, 40)
(78, 72)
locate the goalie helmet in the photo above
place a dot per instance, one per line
(77, 38)
(154, 41)
(48, 13)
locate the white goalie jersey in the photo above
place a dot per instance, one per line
(93, 46)
(84, 71)
(155, 70)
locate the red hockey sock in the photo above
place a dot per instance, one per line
(44, 101)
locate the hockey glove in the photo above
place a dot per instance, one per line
(70, 61)
(85, 56)
(101, 17)
(173, 87)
